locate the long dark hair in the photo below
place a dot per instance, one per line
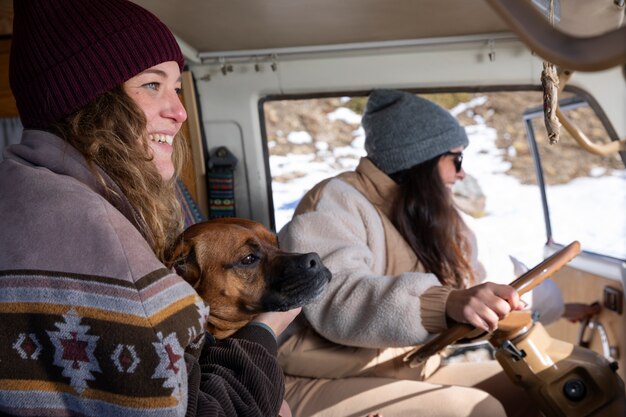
(425, 215)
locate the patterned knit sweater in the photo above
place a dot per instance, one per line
(91, 323)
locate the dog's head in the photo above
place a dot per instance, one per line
(236, 266)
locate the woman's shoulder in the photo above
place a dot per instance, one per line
(59, 223)
(337, 209)
(336, 193)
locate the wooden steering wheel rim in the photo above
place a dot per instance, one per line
(524, 283)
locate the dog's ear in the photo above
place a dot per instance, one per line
(183, 259)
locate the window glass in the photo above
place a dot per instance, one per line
(585, 193)
(313, 139)
(310, 140)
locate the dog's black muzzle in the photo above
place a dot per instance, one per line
(295, 279)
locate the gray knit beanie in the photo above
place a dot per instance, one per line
(403, 130)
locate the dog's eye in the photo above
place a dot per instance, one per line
(249, 259)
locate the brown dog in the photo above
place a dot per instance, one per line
(235, 265)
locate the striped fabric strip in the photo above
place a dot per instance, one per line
(27, 399)
(221, 193)
(190, 209)
(136, 320)
(144, 281)
(94, 297)
(51, 387)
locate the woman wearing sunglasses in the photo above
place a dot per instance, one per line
(404, 267)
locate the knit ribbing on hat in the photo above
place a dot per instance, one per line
(66, 53)
(403, 130)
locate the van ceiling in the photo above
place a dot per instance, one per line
(239, 25)
(219, 28)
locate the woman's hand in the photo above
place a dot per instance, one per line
(278, 321)
(483, 306)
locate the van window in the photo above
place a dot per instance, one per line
(312, 139)
(585, 194)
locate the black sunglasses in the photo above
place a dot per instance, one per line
(458, 160)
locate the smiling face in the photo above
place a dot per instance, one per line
(447, 169)
(156, 92)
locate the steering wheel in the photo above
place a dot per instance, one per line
(524, 283)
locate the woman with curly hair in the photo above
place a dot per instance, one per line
(93, 322)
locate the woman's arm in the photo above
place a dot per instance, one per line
(361, 306)
(238, 376)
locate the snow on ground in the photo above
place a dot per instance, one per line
(514, 220)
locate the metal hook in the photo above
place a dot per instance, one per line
(492, 50)
(257, 65)
(225, 68)
(274, 64)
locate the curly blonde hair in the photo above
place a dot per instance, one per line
(111, 134)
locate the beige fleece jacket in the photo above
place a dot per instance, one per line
(379, 295)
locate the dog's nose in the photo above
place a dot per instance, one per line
(311, 261)
(300, 264)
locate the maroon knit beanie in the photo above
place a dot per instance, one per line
(66, 53)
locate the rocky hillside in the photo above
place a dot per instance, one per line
(501, 111)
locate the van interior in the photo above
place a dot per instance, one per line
(274, 91)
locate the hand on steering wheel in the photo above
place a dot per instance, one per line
(522, 284)
(483, 305)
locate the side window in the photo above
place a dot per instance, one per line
(308, 141)
(585, 194)
(313, 139)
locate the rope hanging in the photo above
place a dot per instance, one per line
(550, 84)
